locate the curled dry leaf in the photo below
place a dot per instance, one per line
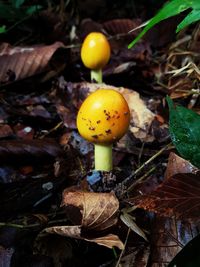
(99, 212)
(108, 241)
(21, 62)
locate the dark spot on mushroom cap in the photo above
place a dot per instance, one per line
(95, 136)
(98, 121)
(108, 131)
(91, 128)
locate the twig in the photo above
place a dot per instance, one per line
(122, 252)
(127, 181)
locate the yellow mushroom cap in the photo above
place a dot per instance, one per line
(95, 51)
(103, 117)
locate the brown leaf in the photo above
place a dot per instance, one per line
(13, 150)
(108, 241)
(21, 62)
(179, 195)
(177, 164)
(169, 236)
(99, 210)
(122, 26)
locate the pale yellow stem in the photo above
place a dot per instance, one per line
(103, 157)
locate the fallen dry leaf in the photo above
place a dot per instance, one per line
(21, 62)
(14, 150)
(121, 27)
(177, 196)
(169, 235)
(99, 212)
(108, 241)
(176, 164)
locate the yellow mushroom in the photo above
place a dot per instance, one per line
(95, 54)
(103, 118)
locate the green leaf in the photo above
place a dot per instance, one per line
(184, 127)
(193, 16)
(32, 9)
(3, 29)
(170, 9)
(189, 256)
(17, 3)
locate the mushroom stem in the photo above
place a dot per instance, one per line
(96, 75)
(103, 157)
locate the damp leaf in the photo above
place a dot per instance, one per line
(184, 127)
(177, 196)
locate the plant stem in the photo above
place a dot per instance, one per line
(96, 75)
(103, 157)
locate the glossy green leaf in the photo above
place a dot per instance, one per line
(170, 9)
(184, 127)
(189, 256)
(192, 17)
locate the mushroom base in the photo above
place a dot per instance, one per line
(103, 157)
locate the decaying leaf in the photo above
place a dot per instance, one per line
(21, 62)
(177, 196)
(99, 212)
(122, 27)
(13, 150)
(168, 237)
(109, 240)
(176, 164)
